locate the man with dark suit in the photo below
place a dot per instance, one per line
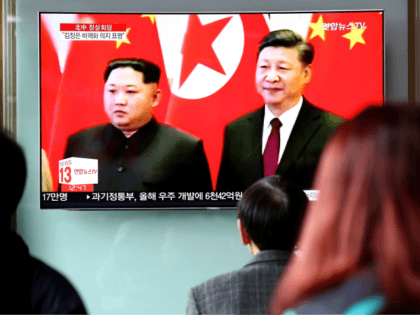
(134, 152)
(287, 135)
(269, 217)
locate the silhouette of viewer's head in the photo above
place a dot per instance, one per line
(14, 177)
(270, 213)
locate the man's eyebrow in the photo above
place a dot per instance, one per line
(128, 85)
(274, 61)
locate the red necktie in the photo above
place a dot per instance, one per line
(271, 153)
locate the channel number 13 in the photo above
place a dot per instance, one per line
(65, 174)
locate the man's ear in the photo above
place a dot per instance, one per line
(307, 73)
(244, 235)
(157, 97)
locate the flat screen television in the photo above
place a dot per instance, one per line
(92, 158)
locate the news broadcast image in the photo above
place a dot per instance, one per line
(207, 80)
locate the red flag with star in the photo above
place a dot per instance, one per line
(50, 80)
(347, 71)
(216, 80)
(80, 98)
(203, 53)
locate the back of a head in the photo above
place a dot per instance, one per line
(271, 211)
(368, 212)
(14, 173)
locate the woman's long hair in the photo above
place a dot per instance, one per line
(368, 212)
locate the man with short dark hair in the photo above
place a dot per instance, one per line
(269, 217)
(134, 151)
(28, 285)
(287, 134)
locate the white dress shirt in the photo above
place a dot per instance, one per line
(287, 120)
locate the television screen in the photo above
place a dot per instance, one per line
(156, 111)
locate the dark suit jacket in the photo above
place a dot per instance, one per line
(31, 287)
(242, 161)
(244, 291)
(156, 158)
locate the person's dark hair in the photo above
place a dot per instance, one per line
(13, 174)
(289, 39)
(151, 71)
(271, 211)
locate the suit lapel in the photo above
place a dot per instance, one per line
(253, 143)
(307, 123)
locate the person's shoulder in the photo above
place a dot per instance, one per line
(245, 119)
(349, 297)
(217, 295)
(328, 118)
(52, 292)
(94, 129)
(43, 271)
(90, 133)
(216, 285)
(331, 119)
(176, 134)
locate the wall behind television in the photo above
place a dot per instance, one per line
(144, 262)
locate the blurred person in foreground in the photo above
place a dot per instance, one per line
(269, 216)
(29, 285)
(360, 241)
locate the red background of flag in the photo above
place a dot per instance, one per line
(345, 80)
(50, 83)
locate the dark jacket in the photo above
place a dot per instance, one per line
(30, 286)
(156, 158)
(242, 161)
